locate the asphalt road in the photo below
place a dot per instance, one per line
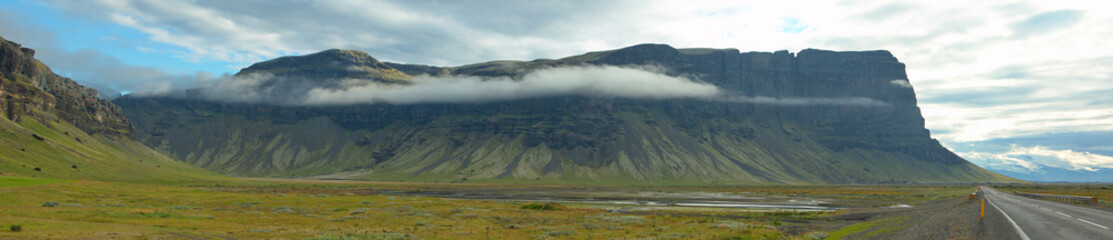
(1041, 219)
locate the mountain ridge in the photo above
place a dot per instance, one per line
(787, 125)
(332, 63)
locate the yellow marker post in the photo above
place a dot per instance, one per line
(983, 207)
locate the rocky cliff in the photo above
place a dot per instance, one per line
(53, 127)
(28, 88)
(811, 117)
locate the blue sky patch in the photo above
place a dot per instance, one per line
(792, 25)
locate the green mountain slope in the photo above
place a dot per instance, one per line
(54, 128)
(637, 143)
(582, 139)
(69, 153)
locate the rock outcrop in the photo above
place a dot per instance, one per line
(28, 88)
(52, 127)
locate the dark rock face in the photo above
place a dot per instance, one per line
(30, 89)
(577, 137)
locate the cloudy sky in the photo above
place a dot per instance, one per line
(1011, 85)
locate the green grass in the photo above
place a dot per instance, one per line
(369, 236)
(544, 206)
(6, 181)
(61, 156)
(885, 225)
(316, 210)
(299, 209)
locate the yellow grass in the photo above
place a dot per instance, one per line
(102, 210)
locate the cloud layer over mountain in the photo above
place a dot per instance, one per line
(601, 81)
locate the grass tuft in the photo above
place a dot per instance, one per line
(730, 225)
(369, 236)
(816, 236)
(157, 214)
(620, 219)
(561, 233)
(544, 206)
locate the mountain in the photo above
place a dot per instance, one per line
(1048, 157)
(330, 64)
(1054, 174)
(54, 127)
(813, 117)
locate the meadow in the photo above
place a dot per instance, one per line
(308, 209)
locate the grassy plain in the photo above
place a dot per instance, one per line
(304, 209)
(101, 210)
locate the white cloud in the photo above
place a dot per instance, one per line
(1000, 161)
(600, 81)
(607, 81)
(902, 83)
(852, 101)
(1033, 158)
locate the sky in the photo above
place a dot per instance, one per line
(1021, 86)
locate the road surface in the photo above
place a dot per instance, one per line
(1042, 219)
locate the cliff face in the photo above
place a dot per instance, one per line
(811, 117)
(28, 88)
(54, 128)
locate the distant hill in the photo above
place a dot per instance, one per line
(53, 127)
(1054, 174)
(812, 117)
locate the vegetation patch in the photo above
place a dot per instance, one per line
(624, 219)
(544, 206)
(816, 236)
(7, 181)
(370, 236)
(250, 209)
(732, 225)
(157, 214)
(180, 207)
(884, 225)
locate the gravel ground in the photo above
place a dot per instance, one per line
(956, 218)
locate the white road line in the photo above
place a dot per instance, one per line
(1092, 223)
(1018, 230)
(1064, 214)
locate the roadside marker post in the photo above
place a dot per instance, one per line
(983, 208)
